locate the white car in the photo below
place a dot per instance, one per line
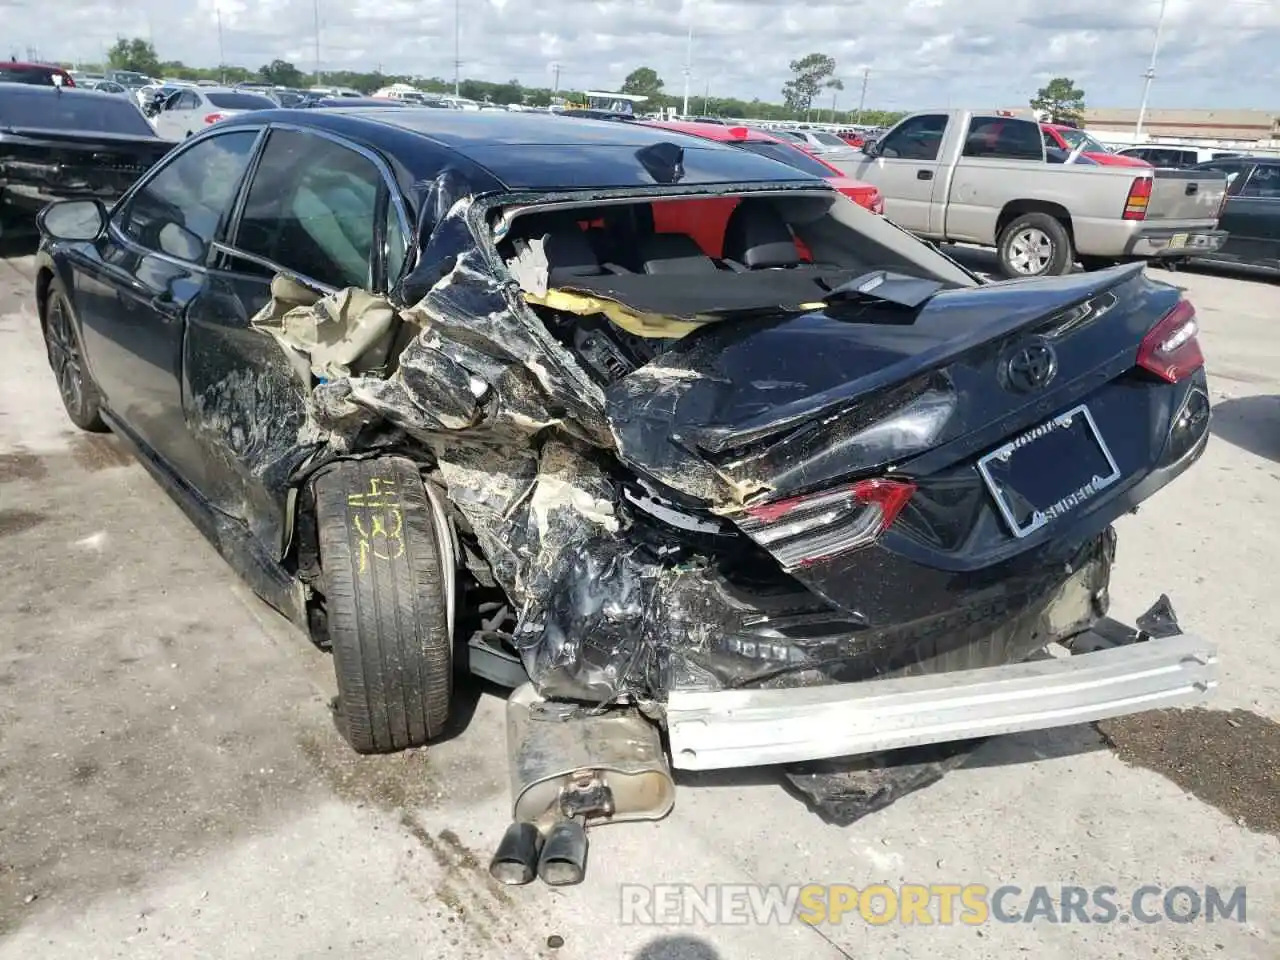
(189, 111)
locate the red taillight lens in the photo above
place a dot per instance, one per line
(1135, 205)
(214, 117)
(801, 531)
(1170, 350)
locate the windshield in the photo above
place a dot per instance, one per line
(240, 101)
(830, 139)
(35, 109)
(1076, 137)
(788, 155)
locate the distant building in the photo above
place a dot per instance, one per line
(1257, 128)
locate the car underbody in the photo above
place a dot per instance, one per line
(617, 545)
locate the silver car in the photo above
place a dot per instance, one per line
(190, 110)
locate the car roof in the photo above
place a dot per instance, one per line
(33, 90)
(539, 152)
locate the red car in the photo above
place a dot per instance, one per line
(40, 74)
(765, 144)
(1068, 138)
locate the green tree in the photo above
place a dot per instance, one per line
(1061, 99)
(809, 76)
(282, 73)
(509, 92)
(643, 82)
(134, 54)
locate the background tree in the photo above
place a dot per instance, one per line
(809, 75)
(1061, 99)
(509, 92)
(643, 82)
(134, 54)
(282, 73)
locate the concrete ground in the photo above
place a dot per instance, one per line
(171, 783)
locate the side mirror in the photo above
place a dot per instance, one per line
(72, 219)
(871, 148)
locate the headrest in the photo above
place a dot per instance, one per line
(673, 253)
(569, 255)
(757, 236)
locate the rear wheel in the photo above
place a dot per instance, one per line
(1035, 245)
(385, 603)
(80, 396)
(1098, 263)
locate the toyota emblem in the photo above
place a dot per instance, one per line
(1031, 366)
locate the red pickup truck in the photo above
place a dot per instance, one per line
(1068, 138)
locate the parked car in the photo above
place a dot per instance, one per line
(453, 405)
(1058, 136)
(825, 145)
(38, 74)
(68, 143)
(979, 178)
(1174, 156)
(189, 110)
(347, 103)
(131, 79)
(1251, 216)
(767, 145)
(106, 86)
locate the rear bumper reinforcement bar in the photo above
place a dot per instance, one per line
(744, 728)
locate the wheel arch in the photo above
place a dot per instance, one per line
(1017, 208)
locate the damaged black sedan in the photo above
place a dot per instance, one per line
(715, 466)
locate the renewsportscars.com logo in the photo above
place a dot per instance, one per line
(918, 904)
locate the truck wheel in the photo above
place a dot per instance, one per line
(385, 602)
(1098, 263)
(79, 393)
(1035, 245)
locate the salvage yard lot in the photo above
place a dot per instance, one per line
(171, 782)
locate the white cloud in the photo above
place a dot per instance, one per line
(924, 52)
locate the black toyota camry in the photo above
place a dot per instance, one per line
(606, 408)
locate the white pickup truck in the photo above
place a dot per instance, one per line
(985, 178)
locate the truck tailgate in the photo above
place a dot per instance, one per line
(1186, 195)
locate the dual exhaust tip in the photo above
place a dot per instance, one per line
(559, 859)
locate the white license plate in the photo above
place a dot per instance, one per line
(1049, 471)
(1178, 241)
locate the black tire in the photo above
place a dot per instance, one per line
(1056, 257)
(385, 603)
(62, 344)
(1098, 263)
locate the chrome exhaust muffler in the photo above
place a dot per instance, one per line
(573, 767)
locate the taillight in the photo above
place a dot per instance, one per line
(801, 531)
(1170, 349)
(214, 117)
(877, 203)
(1135, 205)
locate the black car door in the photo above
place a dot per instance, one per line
(1256, 214)
(326, 211)
(1236, 171)
(135, 286)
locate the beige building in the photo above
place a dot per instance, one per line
(1258, 127)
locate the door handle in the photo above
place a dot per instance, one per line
(924, 174)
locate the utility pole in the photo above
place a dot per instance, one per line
(688, 71)
(862, 100)
(457, 47)
(316, 10)
(706, 97)
(222, 56)
(1151, 73)
(835, 92)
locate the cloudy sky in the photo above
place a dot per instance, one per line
(1214, 53)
